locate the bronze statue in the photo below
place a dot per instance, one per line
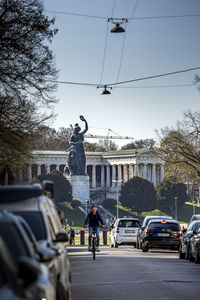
(77, 160)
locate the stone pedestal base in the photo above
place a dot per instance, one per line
(80, 187)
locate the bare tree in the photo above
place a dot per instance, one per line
(26, 62)
(181, 146)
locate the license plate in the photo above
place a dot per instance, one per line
(129, 231)
(163, 234)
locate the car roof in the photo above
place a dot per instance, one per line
(15, 193)
(161, 220)
(131, 218)
(157, 217)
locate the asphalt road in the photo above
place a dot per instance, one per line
(127, 273)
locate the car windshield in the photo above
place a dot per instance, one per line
(165, 225)
(36, 223)
(129, 223)
(13, 239)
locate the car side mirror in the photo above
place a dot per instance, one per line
(46, 254)
(61, 237)
(29, 270)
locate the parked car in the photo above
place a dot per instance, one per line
(140, 232)
(40, 213)
(185, 240)
(195, 247)
(21, 247)
(124, 232)
(194, 218)
(13, 285)
(161, 233)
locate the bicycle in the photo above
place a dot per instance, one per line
(94, 242)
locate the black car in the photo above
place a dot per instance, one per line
(161, 234)
(185, 240)
(23, 247)
(144, 225)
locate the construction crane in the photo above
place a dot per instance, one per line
(106, 137)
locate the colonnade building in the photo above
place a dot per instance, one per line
(107, 170)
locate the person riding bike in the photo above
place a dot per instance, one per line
(94, 220)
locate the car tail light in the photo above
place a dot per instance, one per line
(149, 231)
(178, 232)
(163, 222)
(117, 230)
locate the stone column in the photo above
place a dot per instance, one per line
(20, 176)
(108, 176)
(154, 174)
(47, 168)
(29, 173)
(113, 176)
(38, 170)
(145, 171)
(131, 171)
(125, 173)
(161, 172)
(102, 176)
(57, 167)
(136, 170)
(94, 176)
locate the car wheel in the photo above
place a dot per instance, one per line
(181, 254)
(144, 248)
(187, 254)
(111, 245)
(116, 245)
(60, 292)
(191, 258)
(197, 258)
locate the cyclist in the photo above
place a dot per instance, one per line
(94, 220)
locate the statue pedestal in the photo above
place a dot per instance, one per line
(80, 187)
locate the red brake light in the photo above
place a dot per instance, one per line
(149, 231)
(163, 222)
(117, 231)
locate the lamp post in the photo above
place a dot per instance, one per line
(117, 181)
(176, 212)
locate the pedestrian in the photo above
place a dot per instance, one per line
(94, 220)
(72, 236)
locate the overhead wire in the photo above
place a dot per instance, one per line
(106, 42)
(133, 18)
(124, 39)
(153, 76)
(128, 81)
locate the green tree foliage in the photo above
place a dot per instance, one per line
(167, 190)
(62, 187)
(139, 195)
(75, 203)
(109, 203)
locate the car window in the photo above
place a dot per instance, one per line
(196, 226)
(51, 229)
(36, 223)
(129, 223)
(13, 239)
(167, 225)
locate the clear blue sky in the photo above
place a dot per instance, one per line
(152, 46)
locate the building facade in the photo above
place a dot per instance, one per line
(107, 170)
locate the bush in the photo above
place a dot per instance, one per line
(109, 203)
(75, 203)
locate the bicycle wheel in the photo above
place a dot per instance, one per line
(93, 248)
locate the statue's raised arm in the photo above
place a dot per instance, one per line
(86, 125)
